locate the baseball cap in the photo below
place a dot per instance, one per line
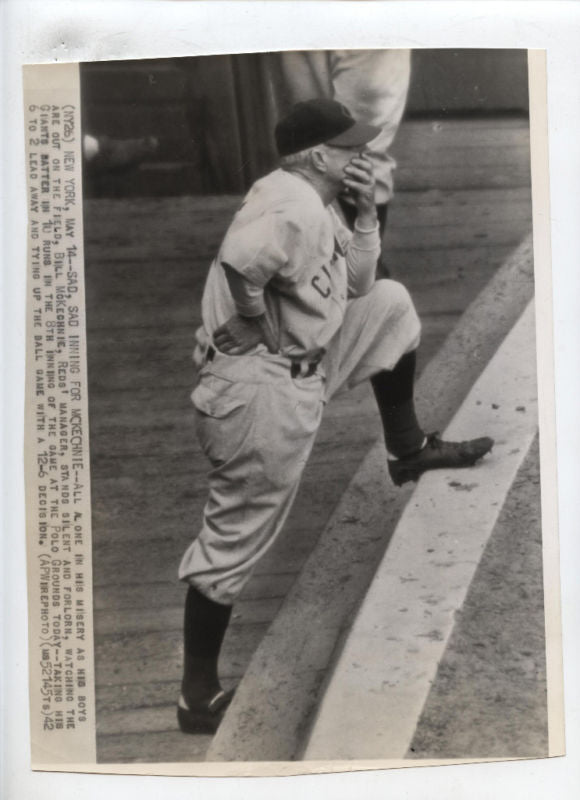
(321, 121)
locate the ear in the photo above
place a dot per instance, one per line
(318, 158)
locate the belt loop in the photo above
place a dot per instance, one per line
(303, 369)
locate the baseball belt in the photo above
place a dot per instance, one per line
(298, 369)
(303, 369)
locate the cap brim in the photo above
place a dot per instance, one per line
(355, 136)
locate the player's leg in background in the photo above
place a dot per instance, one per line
(373, 85)
(298, 75)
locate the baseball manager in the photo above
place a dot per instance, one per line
(292, 313)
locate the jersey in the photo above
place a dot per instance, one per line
(285, 241)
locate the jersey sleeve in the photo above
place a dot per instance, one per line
(362, 254)
(275, 244)
(248, 297)
(361, 250)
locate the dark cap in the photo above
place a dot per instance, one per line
(321, 121)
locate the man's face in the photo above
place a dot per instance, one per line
(337, 158)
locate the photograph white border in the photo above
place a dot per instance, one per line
(65, 31)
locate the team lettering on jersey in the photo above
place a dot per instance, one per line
(318, 281)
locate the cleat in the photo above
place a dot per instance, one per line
(437, 454)
(203, 717)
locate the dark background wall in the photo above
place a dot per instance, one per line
(448, 82)
(213, 115)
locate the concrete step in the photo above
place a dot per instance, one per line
(489, 697)
(380, 682)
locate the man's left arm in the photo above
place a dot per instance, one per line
(364, 247)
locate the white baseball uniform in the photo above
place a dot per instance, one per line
(256, 421)
(372, 84)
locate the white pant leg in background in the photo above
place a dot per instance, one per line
(372, 84)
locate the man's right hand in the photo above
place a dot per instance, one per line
(239, 335)
(360, 181)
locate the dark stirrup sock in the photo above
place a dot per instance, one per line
(204, 627)
(394, 395)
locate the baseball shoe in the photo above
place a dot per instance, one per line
(437, 454)
(204, 717)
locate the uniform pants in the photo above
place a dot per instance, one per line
(257, 424)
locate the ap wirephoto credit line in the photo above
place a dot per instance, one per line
(57, 444)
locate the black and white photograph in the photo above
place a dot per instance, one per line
(289, 354)
(313, 405)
